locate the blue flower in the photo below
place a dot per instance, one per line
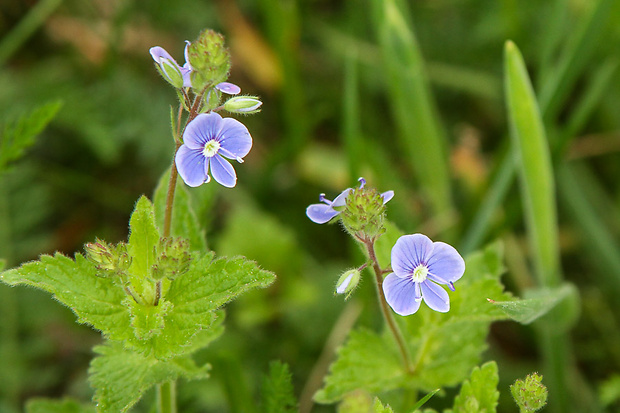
(419, 265)
(322, 213)
(207, 141)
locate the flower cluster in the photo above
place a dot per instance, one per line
(208, 140)
(419, 266)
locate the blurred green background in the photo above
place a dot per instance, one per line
(409, 96)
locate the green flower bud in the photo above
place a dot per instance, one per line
(529, 394)
(348, 282)
(243, 104)
(173, 258)
(112, 260)
(364, 212)
(209, 60)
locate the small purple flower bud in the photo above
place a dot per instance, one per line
(170, 70)
(228, 88)
(348, 282)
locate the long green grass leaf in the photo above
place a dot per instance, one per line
(419, 133)
(574, 59)
(533, 162)
(534, 166)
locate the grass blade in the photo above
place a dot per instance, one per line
(420, 135)
(533, 162)
(534, 166)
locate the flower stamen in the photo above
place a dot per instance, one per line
(211, 148)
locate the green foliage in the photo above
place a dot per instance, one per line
(533, 160)
(75, 283)
(18, 135)
(538, 303)
(58, 406)
(444, 347)
(188, 306)
(478, 394)
(120, 377)
(420, 134)
(278, 392)
(380, 408)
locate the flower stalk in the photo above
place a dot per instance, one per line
(385, 309)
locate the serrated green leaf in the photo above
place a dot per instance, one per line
(380, 408)
(444, 347)
(19, 135)
(538, 303)
(365, 362)
(66, 405)
(184, 222)
(120, 377)
(94, 300)
(278, 392)
(194, 298)
(180, 324)
(478, 394)
(143, 239)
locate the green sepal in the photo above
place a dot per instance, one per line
(66, 405)
(445, 347)
(120, 377)
(479, 393)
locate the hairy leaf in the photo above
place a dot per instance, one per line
(479, 393)
(120, 377)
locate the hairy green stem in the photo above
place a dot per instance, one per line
(385, 309)
(167, 397)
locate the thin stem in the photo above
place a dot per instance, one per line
(167, 397)
(387, 314)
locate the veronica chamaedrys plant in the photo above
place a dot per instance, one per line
(419, 265)
(156, 298)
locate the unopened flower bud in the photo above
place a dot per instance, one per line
(173, 259)
(529, 394)
(348, 282)
(243, 104)
(169, 69)
(112, 260)
(364, 212)
(209, 60)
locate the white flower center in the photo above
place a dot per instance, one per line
(211, 148)
(420, 273)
